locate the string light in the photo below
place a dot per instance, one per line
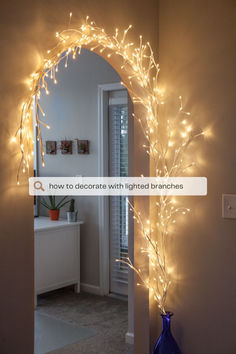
(164, 148)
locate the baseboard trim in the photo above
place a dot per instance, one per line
(119, 297)
(91, 289)
(129, 338)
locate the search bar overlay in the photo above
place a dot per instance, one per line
(110, 186)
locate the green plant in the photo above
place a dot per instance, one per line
(72, 206)
(52, 205)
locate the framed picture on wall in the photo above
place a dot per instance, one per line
(66, 147)
(51, 147)
(83, 146)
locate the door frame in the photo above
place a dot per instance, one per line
(103, 201)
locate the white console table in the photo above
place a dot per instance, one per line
(57, 254)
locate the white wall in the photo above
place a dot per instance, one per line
(72, 113)
(197, 60)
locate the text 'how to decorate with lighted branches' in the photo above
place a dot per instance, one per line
(167, 139)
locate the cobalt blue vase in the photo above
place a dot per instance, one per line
(166, 343)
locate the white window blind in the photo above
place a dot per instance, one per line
(118, 166)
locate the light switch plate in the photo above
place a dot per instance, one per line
(229, 206)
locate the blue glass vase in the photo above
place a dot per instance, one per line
(166, 343)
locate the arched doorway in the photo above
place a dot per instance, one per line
(87, 98)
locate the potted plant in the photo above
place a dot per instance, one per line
(72, 213)
(53, 207)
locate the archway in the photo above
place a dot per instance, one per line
(72, 113)
(140, 72)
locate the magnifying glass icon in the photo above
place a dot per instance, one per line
(38, 186)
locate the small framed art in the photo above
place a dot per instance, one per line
(51, 147)
(66, 147)
(83, 146)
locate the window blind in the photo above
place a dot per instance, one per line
(118, 166)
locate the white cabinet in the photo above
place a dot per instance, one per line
(57, 254)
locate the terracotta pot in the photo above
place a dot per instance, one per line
(54, 214)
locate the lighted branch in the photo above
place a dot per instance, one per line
(167, 140)
(167, 144)
(137, 62)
